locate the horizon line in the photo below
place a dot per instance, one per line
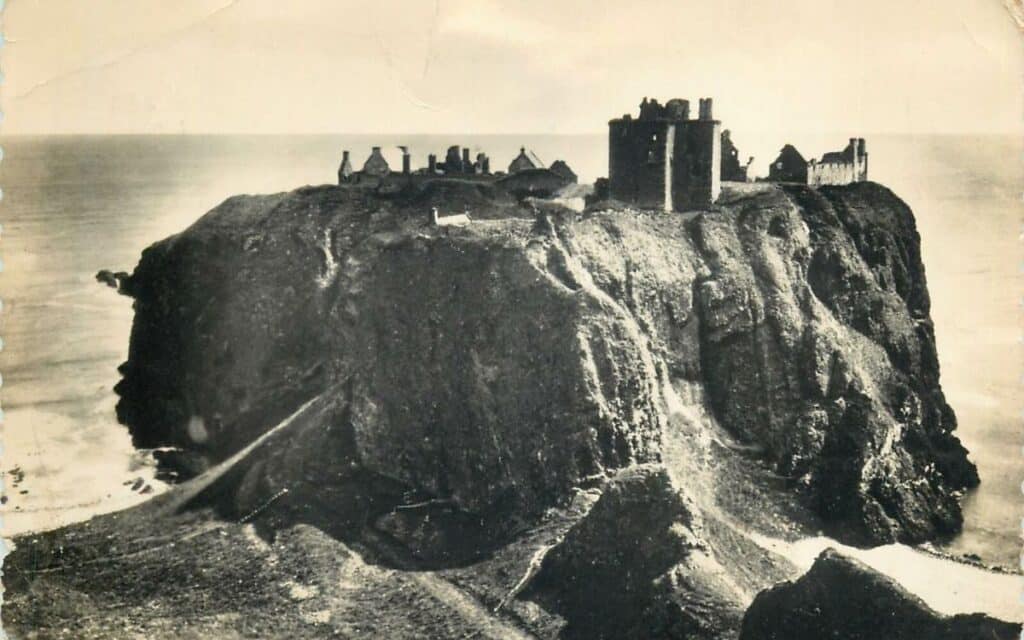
(464, 133)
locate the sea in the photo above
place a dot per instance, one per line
(73, 205)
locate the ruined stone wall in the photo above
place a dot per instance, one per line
(731, 170)
(789, 166)
(845, 167)
(831, 173)
(696, 179)
(636, 161)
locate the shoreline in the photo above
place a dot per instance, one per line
(946, 584)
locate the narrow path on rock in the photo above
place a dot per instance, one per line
(468, 608)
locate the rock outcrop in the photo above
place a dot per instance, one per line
(639, 565)
(476, 368)
(842, 599)
(767, 366)
(504, 363)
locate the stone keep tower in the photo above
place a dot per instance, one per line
(663, 159)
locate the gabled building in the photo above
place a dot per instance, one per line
(789, 166)
(562, 169)
(375, 165)
(524, 162)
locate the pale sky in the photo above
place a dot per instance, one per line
(483, 66)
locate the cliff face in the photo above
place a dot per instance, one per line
(474, 367)
(503, 363)
(817, 345)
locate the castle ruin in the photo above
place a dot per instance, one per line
(457, 161)
(527, 175)
(732, 170)
(789, 166)
(835, 167)
(663, 159)
(840, 167)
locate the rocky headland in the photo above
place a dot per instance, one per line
(545, 423)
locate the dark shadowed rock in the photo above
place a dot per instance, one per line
(602, 577)
(842, 599)
(478, 370)
(816, 344)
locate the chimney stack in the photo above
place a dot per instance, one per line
(345, 171)
(704, 112)
(406, 162)
(467, 166)
(432, 164)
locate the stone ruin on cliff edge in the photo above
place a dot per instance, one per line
(663, 159)
(835, 167)
(526, 173)
(667, 161)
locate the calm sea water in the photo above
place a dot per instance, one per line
(75, 205)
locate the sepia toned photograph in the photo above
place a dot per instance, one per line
(495, 319)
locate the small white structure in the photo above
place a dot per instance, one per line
(458, 220)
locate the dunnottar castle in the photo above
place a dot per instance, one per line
(663, 159)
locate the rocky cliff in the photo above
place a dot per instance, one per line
(510, 360)
(575, 418)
